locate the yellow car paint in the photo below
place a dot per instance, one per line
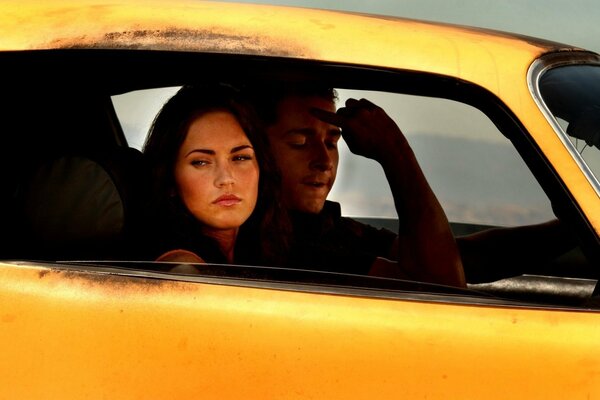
(69, 334)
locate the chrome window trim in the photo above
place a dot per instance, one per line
(453, 299)
(535, 72)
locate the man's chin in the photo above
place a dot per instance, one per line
(309, 207)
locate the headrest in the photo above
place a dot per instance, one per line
(72, 198)
(81, 206)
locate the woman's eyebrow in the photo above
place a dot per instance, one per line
(242, 147)
(212, 152)
(203, 151)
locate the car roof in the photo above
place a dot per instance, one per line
(472, 54)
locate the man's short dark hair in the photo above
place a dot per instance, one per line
(266, 96)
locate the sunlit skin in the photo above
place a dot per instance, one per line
(305, 150)
(216, 176)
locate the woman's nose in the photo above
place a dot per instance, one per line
(224, 176)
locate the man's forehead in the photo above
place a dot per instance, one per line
(294, 115)
(301, 105)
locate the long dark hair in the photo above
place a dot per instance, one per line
(263, 238)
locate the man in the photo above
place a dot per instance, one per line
(303, 128)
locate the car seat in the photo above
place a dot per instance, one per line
(82, 207)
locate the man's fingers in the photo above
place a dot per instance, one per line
(362, 103)
(342, 117)
(352, 102)
(327, 116)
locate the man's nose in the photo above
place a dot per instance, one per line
(321, 158)
(224, 176)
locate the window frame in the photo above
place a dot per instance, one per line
(537, 70)
(177, 68)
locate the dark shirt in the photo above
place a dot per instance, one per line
(327, 241)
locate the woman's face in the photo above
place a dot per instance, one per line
(216, 172)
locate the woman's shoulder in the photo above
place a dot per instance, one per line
(180, 255)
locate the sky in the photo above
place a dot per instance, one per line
(575, 22)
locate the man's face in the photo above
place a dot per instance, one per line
(305, 150)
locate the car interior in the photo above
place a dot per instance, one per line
(74, 189)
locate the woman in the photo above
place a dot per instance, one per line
(215, 192)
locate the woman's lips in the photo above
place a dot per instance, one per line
(227, 200)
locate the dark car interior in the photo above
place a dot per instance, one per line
(74, 190)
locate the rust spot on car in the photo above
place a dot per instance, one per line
(173, 39)
(117, 282)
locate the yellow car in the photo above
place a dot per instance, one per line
(506, 129)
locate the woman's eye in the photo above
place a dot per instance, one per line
(199, 163)
(331, 145)
(243, 157)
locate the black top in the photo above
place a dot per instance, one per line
(329, 242)
(324, 242)
(177, 229)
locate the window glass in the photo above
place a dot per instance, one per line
(474, 170)
(136, 111)
(572, 95)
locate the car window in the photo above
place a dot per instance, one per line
(136, 111)
(472, 167)
(572, 95)
(474, 170)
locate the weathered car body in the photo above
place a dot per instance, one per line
(124, 329)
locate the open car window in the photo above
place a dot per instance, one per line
(476, 173)
(473, 167)
(478, 158)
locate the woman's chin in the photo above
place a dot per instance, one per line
(224, 224)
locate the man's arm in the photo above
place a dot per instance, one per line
(498, 253)
(425, 249)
